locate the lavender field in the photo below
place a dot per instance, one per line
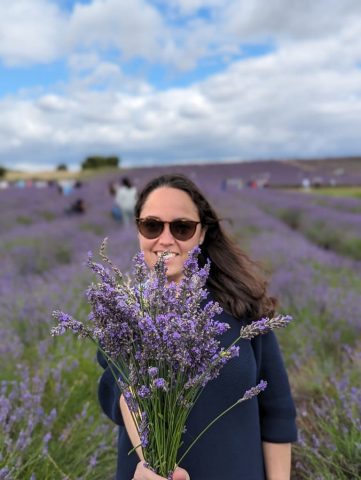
(52, 426)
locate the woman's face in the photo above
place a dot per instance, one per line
(168, 204)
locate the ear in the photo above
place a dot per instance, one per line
(203, 234)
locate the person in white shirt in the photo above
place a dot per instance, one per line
(125, 198)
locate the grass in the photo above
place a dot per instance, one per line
(325, 235)
(13, 176)
(342, 191)
(329, 447)
(79, 432)
(338, 191)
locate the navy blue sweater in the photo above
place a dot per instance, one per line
(232, 448)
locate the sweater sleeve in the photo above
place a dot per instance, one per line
(109, 392)
(277, 408)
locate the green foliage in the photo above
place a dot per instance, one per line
(291, 216)
(62, 167)
(48, 215)
(328, 237)
(82, 441)
(23, 220)
(92, 227)
(2, 171)
(329, 447)
(62, 254)
(334, 239)
(95, 162)
(339, 191)
(37, 256)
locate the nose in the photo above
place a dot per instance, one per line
(166, 237)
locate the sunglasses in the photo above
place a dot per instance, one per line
(180, 229)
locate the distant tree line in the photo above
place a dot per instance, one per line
(62, 167)
(2, 171)
(99, 161)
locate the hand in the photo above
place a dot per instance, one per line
(144, 473)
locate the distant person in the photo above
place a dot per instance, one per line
(125, 199)
(77, 208)
(66, 187)
(20, 184)
(306, 184)
(116, 211)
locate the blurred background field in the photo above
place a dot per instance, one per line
(307, 235)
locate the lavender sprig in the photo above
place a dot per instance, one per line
(66, 322)
(252, 392)
(265, 325)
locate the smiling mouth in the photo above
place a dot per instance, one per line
(166, 255)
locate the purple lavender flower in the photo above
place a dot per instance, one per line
(140, 268)
(4, 472)
(265, 325)
(130, 400)
(153, 371)
(66, 322)
(144, 430)
(252, 392)
(46, 440)
(144, 391)
(160, 383)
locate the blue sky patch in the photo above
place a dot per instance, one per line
(14, 79)
(68, 5)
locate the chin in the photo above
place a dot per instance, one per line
(174, 277)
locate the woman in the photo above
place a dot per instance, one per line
(253, 441)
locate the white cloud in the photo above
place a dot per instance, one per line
(30, 31)
(288, 19)
(38, 31)
(135, 27)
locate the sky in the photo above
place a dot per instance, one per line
(178, 81)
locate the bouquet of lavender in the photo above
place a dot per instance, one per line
(161, 342)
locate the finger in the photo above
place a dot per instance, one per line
(144, 473)
(180, 474)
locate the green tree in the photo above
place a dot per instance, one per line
(62, 167)
(98, 161)
(2, 171)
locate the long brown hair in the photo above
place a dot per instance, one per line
(234, 280)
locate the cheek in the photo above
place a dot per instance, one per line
(145, 247)
(191, 244)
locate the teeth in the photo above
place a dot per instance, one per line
(165, 254)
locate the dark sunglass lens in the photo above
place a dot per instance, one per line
(183, 230)
(150, 228)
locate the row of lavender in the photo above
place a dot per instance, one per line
(332, 223)
(321, 289)
(53, 427)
